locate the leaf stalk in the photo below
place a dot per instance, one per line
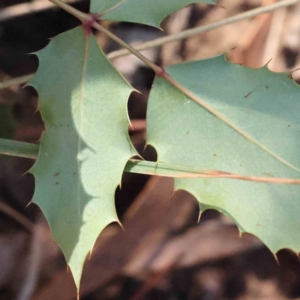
(28, 150)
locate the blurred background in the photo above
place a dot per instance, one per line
(163, 252)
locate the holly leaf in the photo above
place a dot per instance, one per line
(83, 151)
(251, 126)
(148, 12)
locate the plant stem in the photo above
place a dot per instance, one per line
(26, 8)
(21, 149)
(73, 11)
(158, 70)
(177, 36)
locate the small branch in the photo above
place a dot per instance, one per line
(71, 10)
(177, 36)
(132, 50)
(20, 10)
(8, 147)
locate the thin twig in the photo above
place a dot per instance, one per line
(71, 10)
(177, 36)
(132, 50)
(20, 10)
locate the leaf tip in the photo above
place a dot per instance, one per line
(25, 173)
(267, 63)
(276, 258)
(29, 203)
(121, 225)
(32, 82)
(199, 216)
(240, 232)
(31, 170)
(77, 278)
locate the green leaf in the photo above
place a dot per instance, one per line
(148, 12)
(253, 129)
(83, 151)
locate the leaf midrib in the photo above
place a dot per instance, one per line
(214, 112)
(79, 143)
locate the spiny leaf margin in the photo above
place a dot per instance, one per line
(85, 146)
(262, 103)
(148, 12)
